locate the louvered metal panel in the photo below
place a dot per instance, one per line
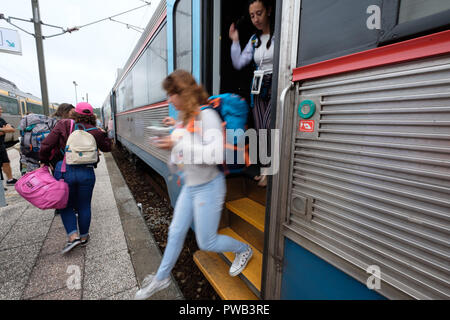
(133, 127)
(372, 183)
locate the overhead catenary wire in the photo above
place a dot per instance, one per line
(8, 20)
(76, 28)
(129, 26)
(108, 18)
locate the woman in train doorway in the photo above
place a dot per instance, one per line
(260, 50)
(203, 193)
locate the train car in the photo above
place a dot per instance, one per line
(16, 104)
(359, 207)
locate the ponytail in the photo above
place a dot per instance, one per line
(258, 36)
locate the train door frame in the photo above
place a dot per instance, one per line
(211, 45)
(113, 113)
(287, 16)
(212, 60)
(216, 46)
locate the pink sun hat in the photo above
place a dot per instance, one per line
(84, 108)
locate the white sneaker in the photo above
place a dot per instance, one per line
(153, 286)
(240, 262)
(147, 279)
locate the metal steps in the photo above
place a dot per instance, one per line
(246, 224)
(252, 273)
(249, 210)
(216, 271)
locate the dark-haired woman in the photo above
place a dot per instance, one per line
(63, 112)
(80, 178)
(197, 148)
(259, 49)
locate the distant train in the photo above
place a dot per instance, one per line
(16, 104)
(360, 207)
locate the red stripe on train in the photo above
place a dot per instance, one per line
(151, 106)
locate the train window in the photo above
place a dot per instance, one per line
(329, 29)
(34, 108)
(119, 98)
(183, 35)
(9, 105)
(125, 94)
(416, 9)
(404, 19)
(157, 66)
(128, 90)
(140, 83)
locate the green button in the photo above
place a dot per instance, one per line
(306, 109)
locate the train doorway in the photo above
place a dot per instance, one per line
(232, 80)
(245, 204)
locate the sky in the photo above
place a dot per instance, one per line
(90, 56)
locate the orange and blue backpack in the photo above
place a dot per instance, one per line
(233, 111)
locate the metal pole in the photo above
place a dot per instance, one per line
(40, 55)
(2, 191)
(87, 98)
(76, 97)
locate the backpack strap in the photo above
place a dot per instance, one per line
(254, 39)
(63, 166)
(206, 106)
(78, 125)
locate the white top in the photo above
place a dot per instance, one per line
(262, 56)
(197, 154)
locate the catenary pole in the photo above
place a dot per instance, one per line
(40, 55)
(76, 97)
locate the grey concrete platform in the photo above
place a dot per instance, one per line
(120, 253)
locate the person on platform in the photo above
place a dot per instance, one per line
(6, 166)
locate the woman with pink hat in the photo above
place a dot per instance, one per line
(80, 177)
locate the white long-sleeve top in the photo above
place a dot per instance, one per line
(198, 153)
(262, 56)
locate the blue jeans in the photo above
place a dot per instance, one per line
(81, 181)
(201, 204)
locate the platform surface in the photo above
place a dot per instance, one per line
(120, 253)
